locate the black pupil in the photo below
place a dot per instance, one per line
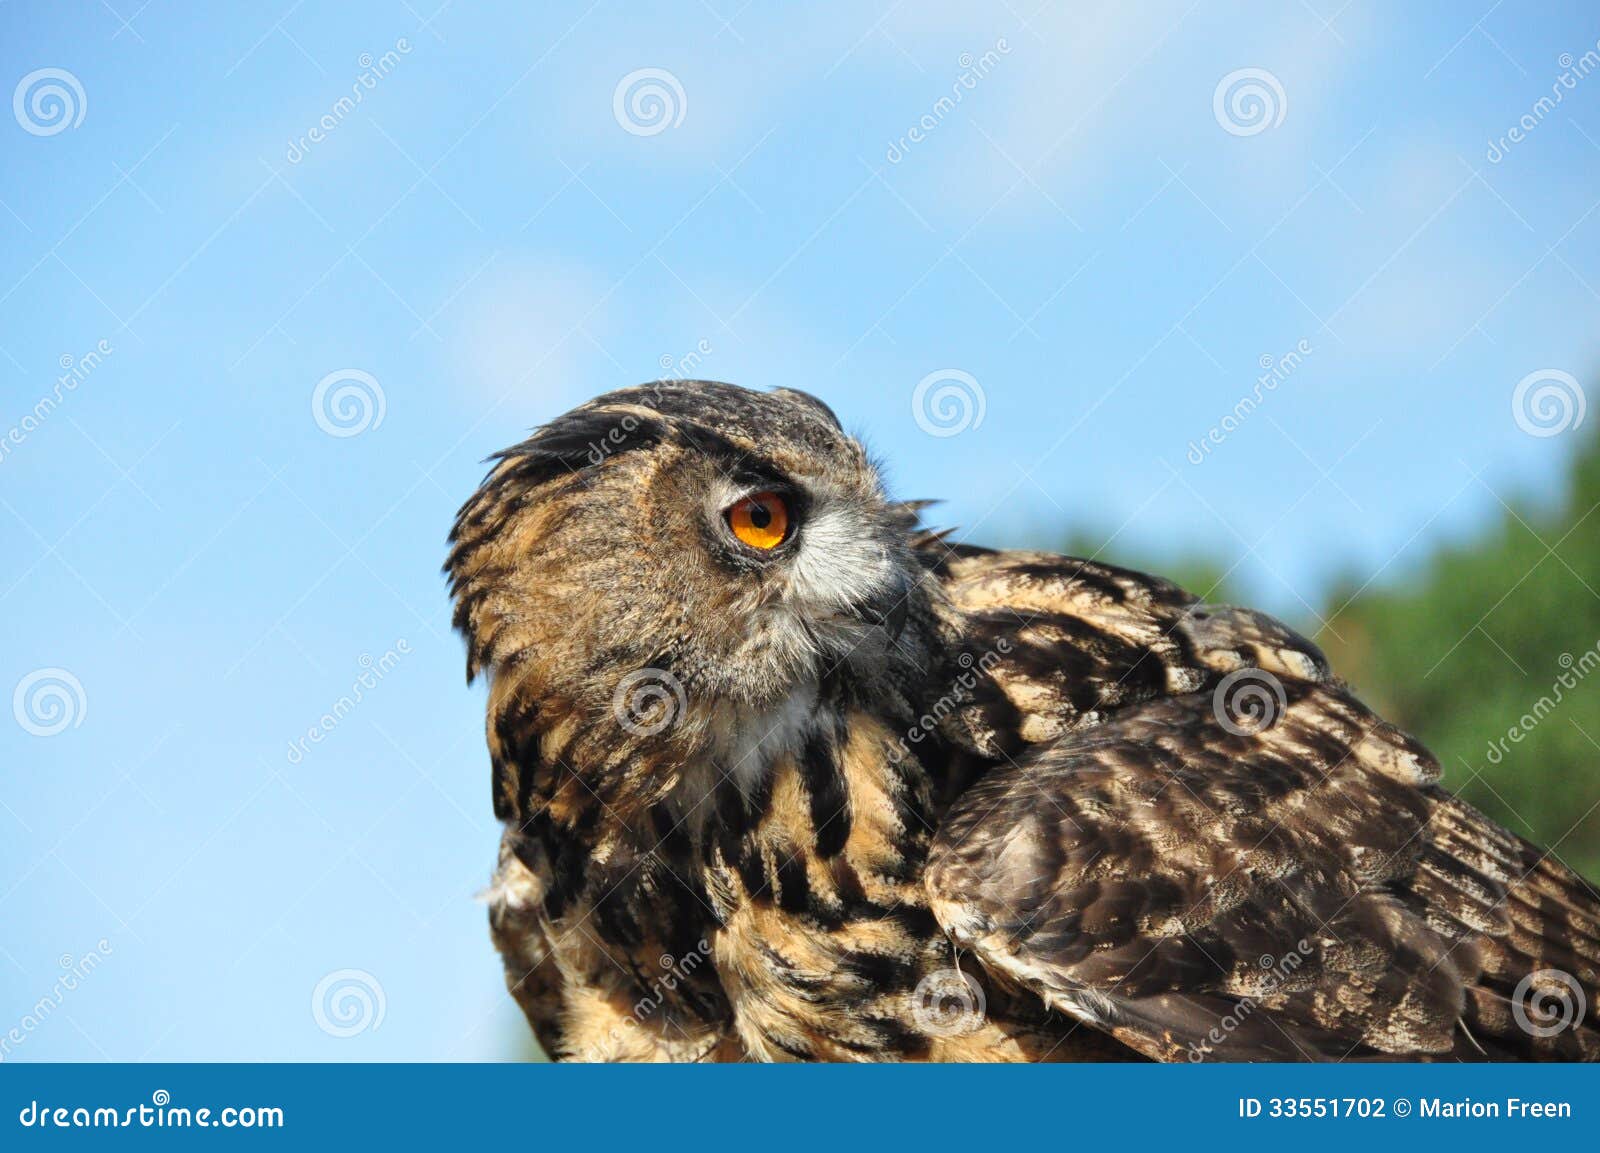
(760, 514)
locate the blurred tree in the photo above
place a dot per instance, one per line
(1205, 576)
(1498, 636)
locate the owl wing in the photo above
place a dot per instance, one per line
(1216, 852)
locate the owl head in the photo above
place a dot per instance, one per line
(685, 551)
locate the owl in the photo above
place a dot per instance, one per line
(785, 776)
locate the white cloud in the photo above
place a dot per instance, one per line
(520, 333)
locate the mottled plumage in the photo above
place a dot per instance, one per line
(864, 795)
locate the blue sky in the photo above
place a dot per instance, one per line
(1091, 240)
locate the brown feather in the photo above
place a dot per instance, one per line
(915, 801)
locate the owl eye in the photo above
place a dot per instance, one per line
(761, 520)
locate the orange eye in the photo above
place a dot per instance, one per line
(760, 520)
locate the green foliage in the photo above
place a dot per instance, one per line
(1490, 638)
(1204, 576)
(1487, 637)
